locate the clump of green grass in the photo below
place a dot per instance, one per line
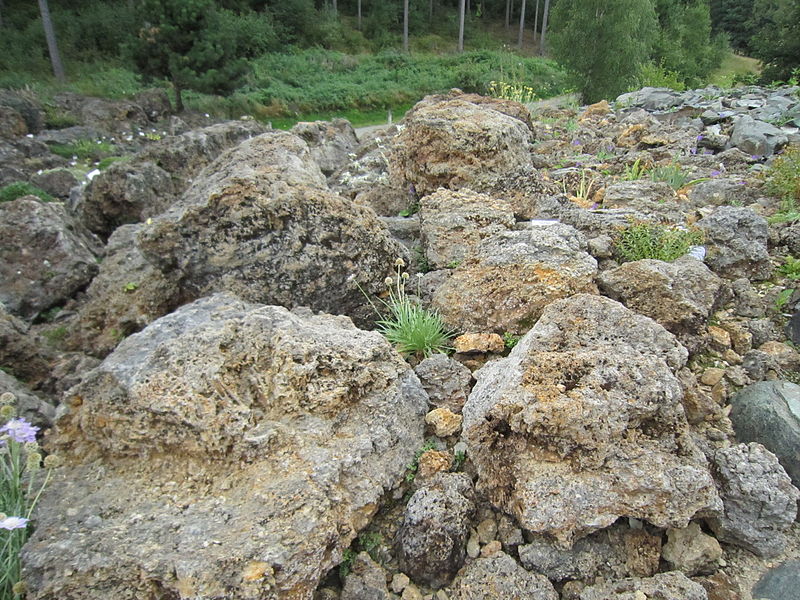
(652, 240)
(674, 176)
(635, 171)
(84, 150)
(783, 181)
(790, 268)
(15, 190)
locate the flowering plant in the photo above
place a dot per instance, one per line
(20, 464)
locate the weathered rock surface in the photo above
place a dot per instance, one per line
(757, 137)
(669, 586)
(28, 405)
(779, 583)
(44, 258)
(366, 581)
(768, 412)
(127, 294)
(612, 553)
(760, 502)
(227, 450)
(460, 141)
(56, 182)
(680, 295)
(583, 424)
(446, 381)
(151, 181)
(20, 354)
(504, 285)
(499, 576)
(737, 243)
(330, 142)
(691, 551)
(431, 543)
(454, 223)
(260, 222)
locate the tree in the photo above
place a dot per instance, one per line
(461, 8)
(521, 25)
(180, 40)
(777, 39)
(603, 42)
(734, 18)
(544, 26)
(52, 46)
(405, 25)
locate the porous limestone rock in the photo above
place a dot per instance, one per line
(227, 450)
(460, 141)
(613, 553)
(366, 581)
(260, 222)
(582, 424)
(512, 276)
(691, 551)
(45, 256)
(20, 354)
(453, 224)
(499, 576)
(28, 405)
(736, 239)
(680, 295)
(672, 585)
(431, 543)
(760, 502)
(127, 294)
(331, 142)
(446, 381)
(148, 183)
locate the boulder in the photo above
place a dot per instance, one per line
(28, 405)
(20, 354)
(680, 295)
(155, 103)
(102, 114)
(331, 142)
(760, 502)
(757, 138)
(691, 551)
(229, 450)
(651, 99)
(446, 381)
(612, 553)
(25, 104)
(721, 191)
(152, 180)
(499, 576)
(582, 424)
(261, 223)
(768, 412)
(454, 223)
(508, 280)
(45, 257)
(431, 542)
(127, 294)
(56, 182)
(641, 194)
(12, 125)
(779, 583)
(366, 581)
(669, 586)
(459, 141)
(737, 243)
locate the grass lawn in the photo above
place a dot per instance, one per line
(733, 65)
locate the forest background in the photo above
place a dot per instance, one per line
(290, 59)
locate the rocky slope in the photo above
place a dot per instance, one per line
(182, 325)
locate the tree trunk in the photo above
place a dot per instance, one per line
(359, 15)
(430, 9)
(469, 7)
(335, 7)
(405, 25)
(521, 24)
(544, 26)
(52, 46)
(1, 13)
(536, 21)
(508, 14)
(461, 6)
(178, 97)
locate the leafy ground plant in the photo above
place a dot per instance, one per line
(635, 171)
(15, 190)
(20, 488)
(674, 176)
(413, 330)
(783, 181)
(790, 268)
(653, 240)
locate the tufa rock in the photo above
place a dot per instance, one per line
(672, 585)
(366, 581)
(499, 576)
(737, 243)
(227, 450)
(691, 551)
(331, 142)
(446, 381)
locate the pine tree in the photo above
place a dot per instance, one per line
(180, 41)
(777, 39)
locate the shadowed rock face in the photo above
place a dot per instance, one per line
(260, 222)
(227, 450)
(583, 424)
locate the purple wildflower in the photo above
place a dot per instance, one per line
(10, 523)
(19, 430)
(699, 137)
(716, 173)
(576, 142)
(693, 151)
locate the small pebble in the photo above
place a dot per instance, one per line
(411, 592)
(473, 546)
(487, 530)
(491, 549)
(399, 582)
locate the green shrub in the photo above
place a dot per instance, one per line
(652, 240)
(15, 190)
(655, 75)
(84, 150)
(790, 268)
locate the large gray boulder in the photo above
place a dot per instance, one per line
(331, 142)
(148, 183)
(509, 279)
(431, 543)
(500, 576)
(260, 222)
(737, 243)
(760, 502)
(680, 295)
(768, 412)
(229, 450)
(45, 257)
(21, 355)
(757, 137)
(583, 423)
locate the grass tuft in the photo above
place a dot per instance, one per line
(652, 240)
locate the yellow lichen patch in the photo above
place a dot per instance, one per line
(631, 136)
(255, 570)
